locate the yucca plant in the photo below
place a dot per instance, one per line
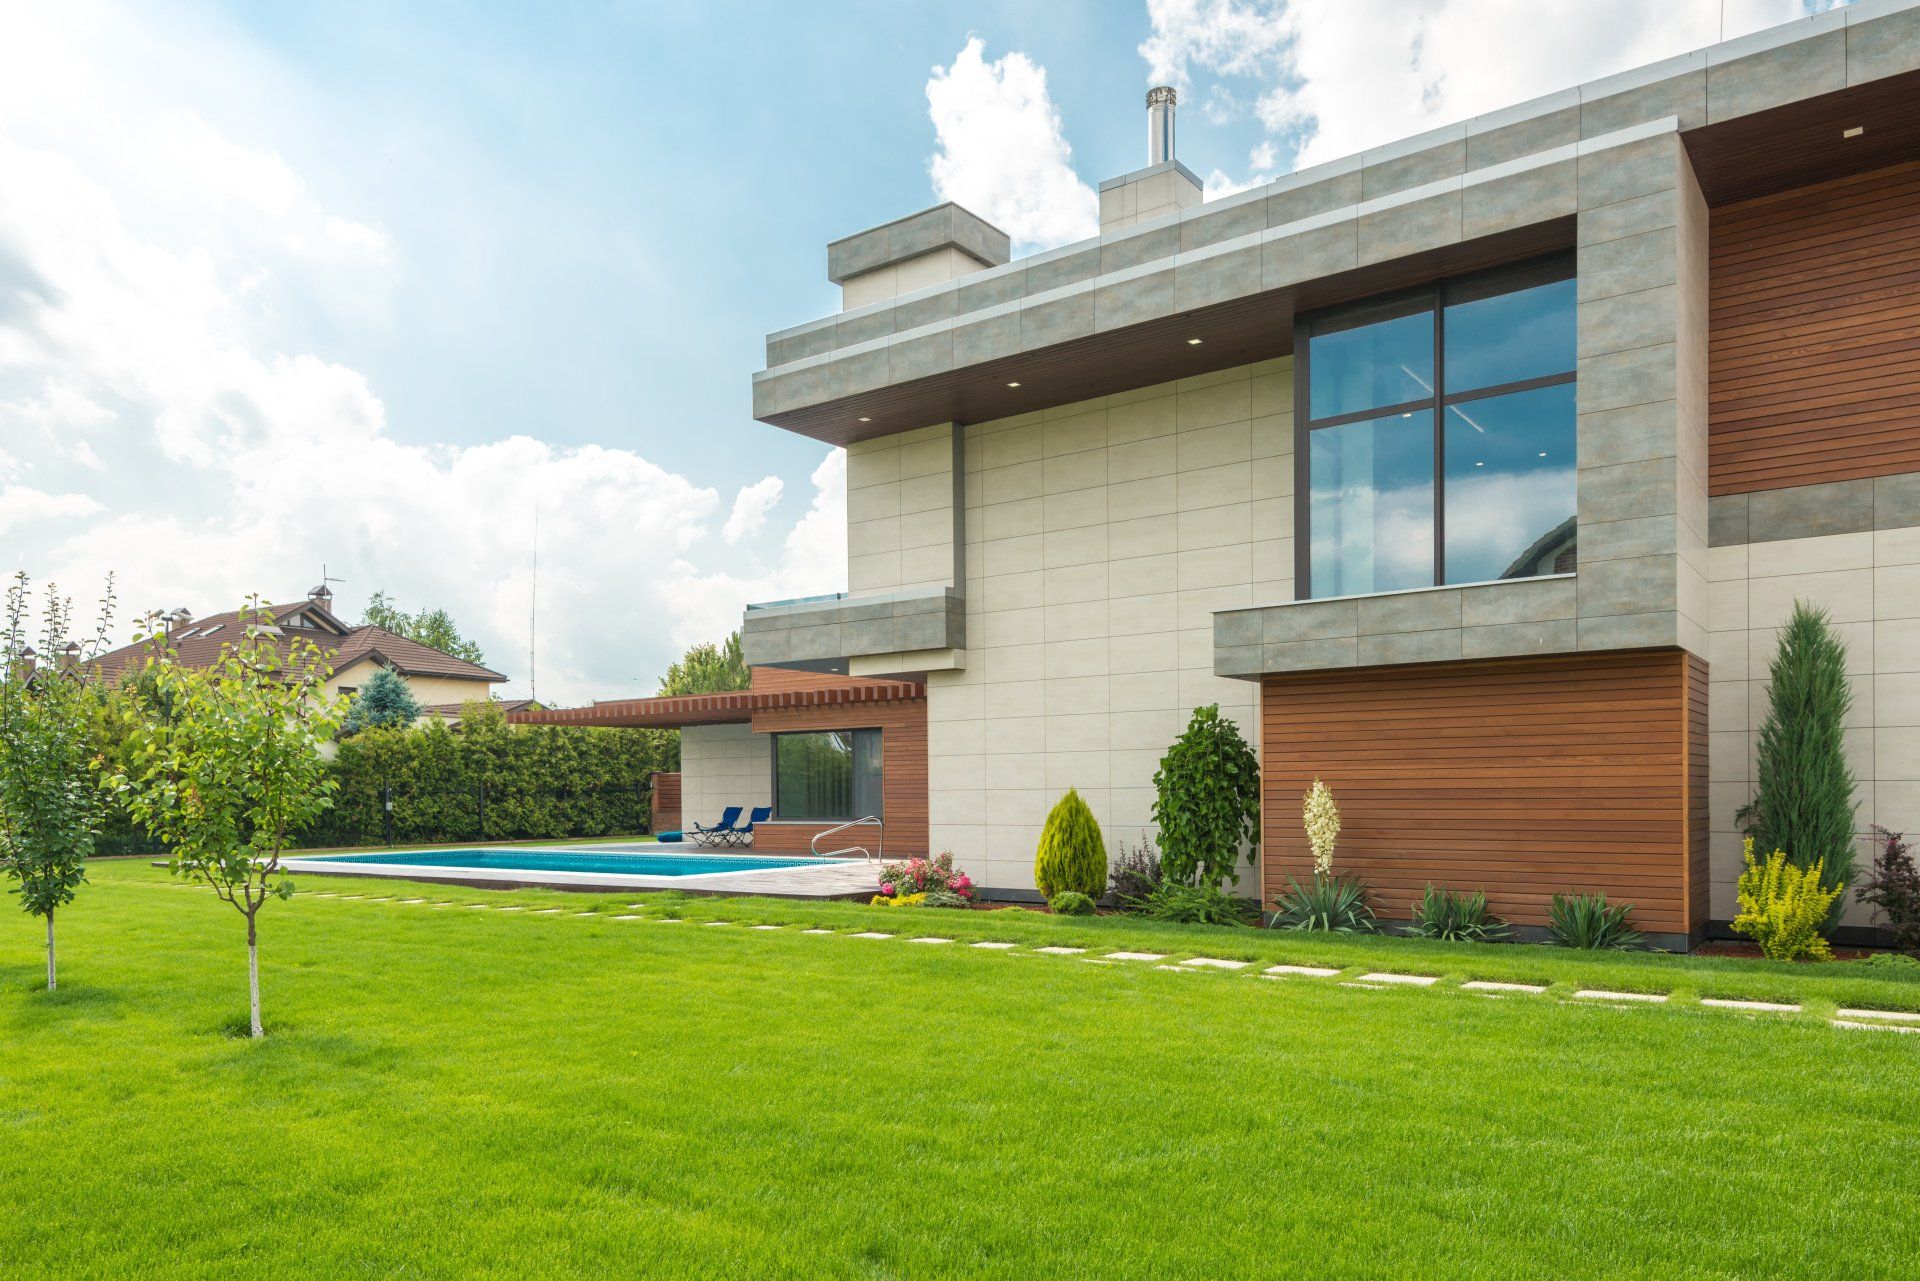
(1329, 904)
(1456, 917)
(1589, 921)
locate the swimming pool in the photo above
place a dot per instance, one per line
(627, 864)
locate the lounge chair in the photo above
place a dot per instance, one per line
(720, 833)
(744, 835)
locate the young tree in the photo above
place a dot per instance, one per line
(384, 700)
(1208, 800)
(235, 769)
(708, 669)
(1803, 794)
(431, 627)
(51, 808)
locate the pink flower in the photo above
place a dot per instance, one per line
(886, 888)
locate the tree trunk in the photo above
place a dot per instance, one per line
(51, 984)
(253, 977)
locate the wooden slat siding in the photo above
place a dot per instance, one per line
(1520, 777)
(1699, 870)
(665, 810)
(1814, 334)
(903, 764)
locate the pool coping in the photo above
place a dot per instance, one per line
(776, 882)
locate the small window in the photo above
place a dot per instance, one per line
(831, 775)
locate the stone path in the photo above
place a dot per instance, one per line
(1377, 980)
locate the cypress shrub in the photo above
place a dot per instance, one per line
(1803, 794)
(1072, 853)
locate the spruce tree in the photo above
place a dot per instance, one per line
(385, 699)
(1803, 793)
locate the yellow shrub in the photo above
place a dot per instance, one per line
(904, 900)
(1782, 908)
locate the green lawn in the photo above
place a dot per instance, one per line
(449, 1093)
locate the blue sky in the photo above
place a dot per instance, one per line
(365, 284)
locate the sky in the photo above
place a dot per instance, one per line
(383, 291)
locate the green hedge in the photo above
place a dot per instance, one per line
(488, 781)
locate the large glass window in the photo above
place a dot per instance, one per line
(834, 774)
(1439, 435)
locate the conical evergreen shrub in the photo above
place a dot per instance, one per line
(1072, 853)
(1803, 789)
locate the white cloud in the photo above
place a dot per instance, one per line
(137, 325)
(1333, 77)
(21, 506)
(1000, 151)
(750, 508)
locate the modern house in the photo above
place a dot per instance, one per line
(1472, 474)
(438, 680)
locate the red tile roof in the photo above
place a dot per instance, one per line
(199, 642)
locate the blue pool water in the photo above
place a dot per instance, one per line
(558, 861)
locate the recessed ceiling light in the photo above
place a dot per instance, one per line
(1193, 342)
(1479, 464)
(866, 420)
(1854, 132)
(1013, 384)
(1543, 453)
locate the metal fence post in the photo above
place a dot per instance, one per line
(386, 807)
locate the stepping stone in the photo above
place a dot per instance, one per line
(350, 896)
(550, 911)
(1874, 1027)
(929, 939)
(1214, 963)
(1371, 987)
(1405, 980)
(713, 923)
(1136, 956)
(1061, 951)
(586, 913)
(769, 927)
(673, 920)
(413, 900)
(629, 918)
(816, 931)
(636, 907)
(997, 947)
(1770, 1007)
(512, 907)
(1904, 1016)
(1488, 985)
(1305, 971)
(479, 907)
(1595, 994)
(870, 934)
(1174, 969)
(322, 895)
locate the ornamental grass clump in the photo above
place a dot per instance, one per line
(1589, 921)
(1455, 916)
(1782, 907)
(1072, 853)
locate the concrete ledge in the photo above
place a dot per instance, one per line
(1432, 624)
(847, 627)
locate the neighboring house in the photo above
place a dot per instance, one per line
(437, 679)
(1471, 474)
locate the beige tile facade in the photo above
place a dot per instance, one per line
(1100, 539)
(722, 765)
(903, 530)
(1870, 584)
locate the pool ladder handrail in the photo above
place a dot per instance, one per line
(880, 844)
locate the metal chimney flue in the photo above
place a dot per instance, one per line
(1160, 105)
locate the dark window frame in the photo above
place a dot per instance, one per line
(1546, 269)
(853, 732)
